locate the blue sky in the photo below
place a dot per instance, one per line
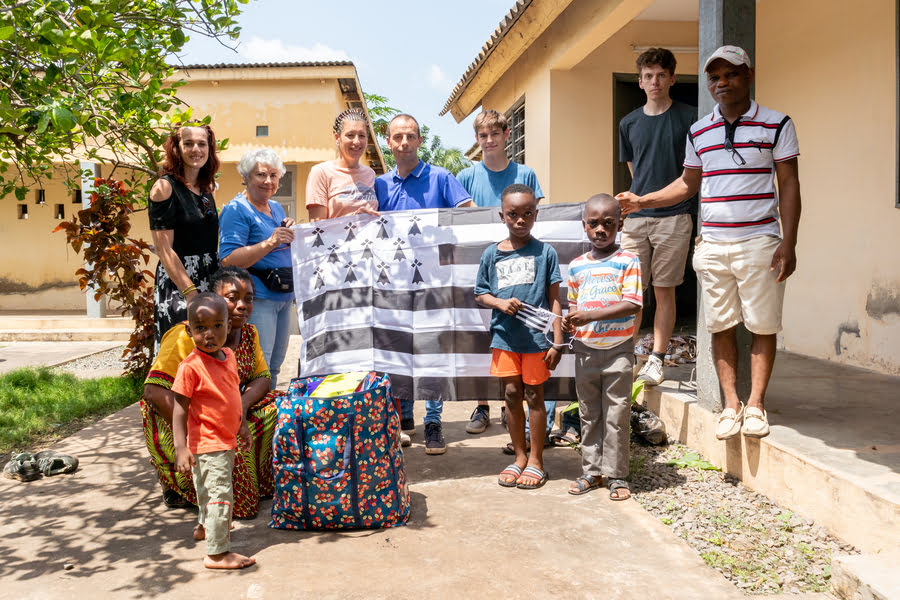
(412, 52)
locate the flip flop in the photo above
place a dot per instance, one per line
(22, 467)
(512, 469)
(53, 463)
(564, 439)
(586, 483)
(508, 449)
(614, 486)
(173, 499)
(541, 476)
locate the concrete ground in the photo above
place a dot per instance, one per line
(17, 354)
(104, 532)
(467, 536)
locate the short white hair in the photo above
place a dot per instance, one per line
(260, 156)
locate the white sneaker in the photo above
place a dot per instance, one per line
(652, 373)
(405, 441)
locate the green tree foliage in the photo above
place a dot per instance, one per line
(432, 150)
(117, 265)
(381, 113)
(88, 79)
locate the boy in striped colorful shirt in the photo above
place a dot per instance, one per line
(604, 295)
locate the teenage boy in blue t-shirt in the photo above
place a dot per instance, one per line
(513, 273)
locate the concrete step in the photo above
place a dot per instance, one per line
(39, 322)
(830, 457)
(63, 328)
(866, 576)
(65, 335)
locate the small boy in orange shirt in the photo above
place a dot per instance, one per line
(205, 422)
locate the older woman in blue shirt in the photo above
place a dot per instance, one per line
(255, 234)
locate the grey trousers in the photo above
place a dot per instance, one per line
(603, 381)
(215, 497)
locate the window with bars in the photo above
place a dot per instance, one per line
(515, 145)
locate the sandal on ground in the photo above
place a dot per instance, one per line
(585, 484)
(534, 473)
(756, 423)
(514, 470)
(511, 451)
(173, 499)
(614, 486)
(53, 463)
(729, 423)
(22, 467)
(564, 439)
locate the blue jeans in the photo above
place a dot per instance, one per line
(550, 405)
(433, 410)
(273, 323)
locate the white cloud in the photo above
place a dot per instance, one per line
(260, 50)
(437, 79)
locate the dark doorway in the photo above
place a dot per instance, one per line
(627, 96)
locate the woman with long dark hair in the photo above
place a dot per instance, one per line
(184, 224)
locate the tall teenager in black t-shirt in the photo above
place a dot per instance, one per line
(652, 142)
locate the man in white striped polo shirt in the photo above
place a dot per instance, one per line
(742, 257)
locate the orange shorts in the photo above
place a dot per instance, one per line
(529, 366)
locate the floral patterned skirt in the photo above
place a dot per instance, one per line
(252, 476)
(169, 307)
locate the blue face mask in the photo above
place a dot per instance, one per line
(540, 319)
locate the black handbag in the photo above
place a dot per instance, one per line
(279, 279)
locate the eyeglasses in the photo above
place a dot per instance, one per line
(735, 155)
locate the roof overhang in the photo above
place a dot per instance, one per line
(528, 19)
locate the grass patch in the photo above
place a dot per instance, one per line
(692, 460)
(40, 405)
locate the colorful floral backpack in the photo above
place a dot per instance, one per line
(337, 458)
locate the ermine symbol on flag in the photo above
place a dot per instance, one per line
(351, 276)
(382, 232)
(333, 257)
(367, 250)
(417, 277)
(383, 278)
(414, 230)
(318, 231)
(399, 255)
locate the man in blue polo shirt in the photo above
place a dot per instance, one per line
(414, 184)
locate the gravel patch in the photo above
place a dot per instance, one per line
(101, 361)
(759, 546)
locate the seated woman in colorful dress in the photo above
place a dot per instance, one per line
(252, 475)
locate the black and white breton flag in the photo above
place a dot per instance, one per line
(395, 294)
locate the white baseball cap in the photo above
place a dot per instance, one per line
(733, 54)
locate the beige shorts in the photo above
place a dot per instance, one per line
(738, 284)
(661, 243)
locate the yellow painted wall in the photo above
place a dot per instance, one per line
(833, 71)
(299, 114)
(584, 135)
(37, 267)
(569, 131)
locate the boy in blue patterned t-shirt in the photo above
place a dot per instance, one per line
(521, 270)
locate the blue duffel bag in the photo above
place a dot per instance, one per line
(337, 459)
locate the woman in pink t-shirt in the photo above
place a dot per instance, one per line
(343, 186)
